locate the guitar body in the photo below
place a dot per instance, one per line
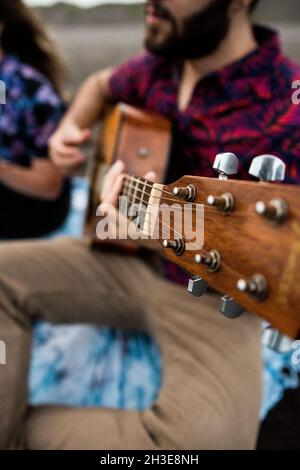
(142, 141)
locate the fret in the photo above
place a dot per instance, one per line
(135, 193)
(125, 187)
(141, 220)
(146, 187)
(129, 192)
(137, 190)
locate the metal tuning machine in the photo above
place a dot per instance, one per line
(178, 246)
(212, 260)
(226, 164)
(187, 193)
(257, 287)
(269, 168)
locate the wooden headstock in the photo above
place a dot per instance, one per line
(253, 246)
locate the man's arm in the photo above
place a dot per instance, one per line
(74, 129)
(90, 100)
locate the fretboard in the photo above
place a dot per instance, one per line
(137, 191)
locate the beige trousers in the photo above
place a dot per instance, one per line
(211, 390)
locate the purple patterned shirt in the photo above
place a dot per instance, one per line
(245, 108)
(30, 115)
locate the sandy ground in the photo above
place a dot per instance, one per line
(90, 49)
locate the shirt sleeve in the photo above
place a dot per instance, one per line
(42, 111)
(129, 81)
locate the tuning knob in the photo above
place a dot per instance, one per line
(277, 210)
(224, 203)
(226, 164)
(230, 308)
(212, 260)
(188, 193)
(197, 286)
(178, 246)
(256, 287)
(268, 168)
(276, 341)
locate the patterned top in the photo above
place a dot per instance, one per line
(30, 115)
(245, 108)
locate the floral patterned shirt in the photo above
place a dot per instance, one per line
(31, 112)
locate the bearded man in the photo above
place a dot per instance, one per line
(226, 86)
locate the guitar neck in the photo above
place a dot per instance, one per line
(137, 190)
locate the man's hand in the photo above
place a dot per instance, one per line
(113, 183)
(64, 147)
(111, 190)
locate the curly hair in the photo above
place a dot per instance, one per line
(23, 34)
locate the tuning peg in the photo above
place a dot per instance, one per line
(187, 193)
(226, 164)
(276, 341)
(256, 286)
(178, 246)
(276, 210)
(230, 308)
(268, 168)
(224, 203)
(212, 260)
(197, 286)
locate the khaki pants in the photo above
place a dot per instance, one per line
(211, 390)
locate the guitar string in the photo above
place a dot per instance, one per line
(207, 206)
(140, 200)
(163, 223)
(182, 203)
(226, 265)
(146, 184)
(204, 252)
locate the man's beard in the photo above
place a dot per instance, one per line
(201, 33)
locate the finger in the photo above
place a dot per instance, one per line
(63, 149)
(75, 161)
(117, 168)
(111, 176)
(112, 196)
(77, 136)
(151, 176)
(60, 159)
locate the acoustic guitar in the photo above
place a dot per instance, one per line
(250, 245)
(141, 140)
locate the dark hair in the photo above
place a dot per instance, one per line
(23, 34)
(253, 5)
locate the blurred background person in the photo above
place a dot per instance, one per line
(34, 198)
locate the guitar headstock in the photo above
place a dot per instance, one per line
(250, 237)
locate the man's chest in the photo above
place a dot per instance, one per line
(214, 122)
